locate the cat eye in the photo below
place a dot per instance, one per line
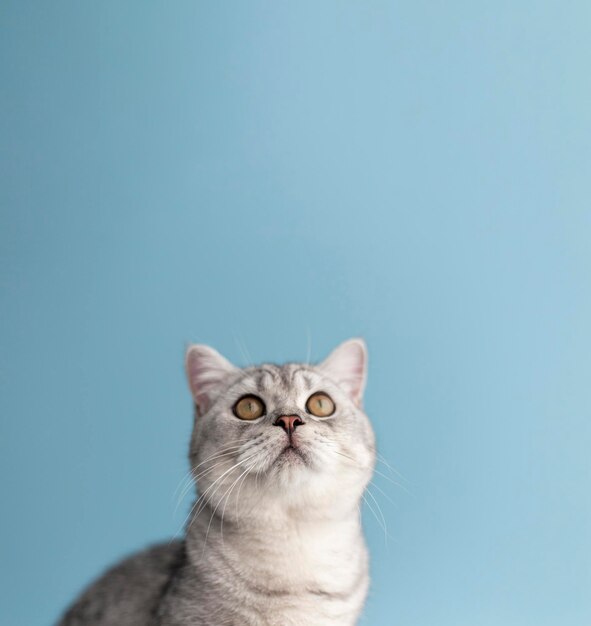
(249, 408)
(320, 404)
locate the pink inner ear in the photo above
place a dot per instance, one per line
(347, 366)
(199, 387)
(206, 370)
(357, 380)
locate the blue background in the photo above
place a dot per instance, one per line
(276, 175)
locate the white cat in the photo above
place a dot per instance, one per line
(281, 456)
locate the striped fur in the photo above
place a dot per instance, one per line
(275, 536)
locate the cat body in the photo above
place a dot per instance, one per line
(281, 456)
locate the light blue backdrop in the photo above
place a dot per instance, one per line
(271, 174)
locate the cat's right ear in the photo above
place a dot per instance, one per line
(206, 370)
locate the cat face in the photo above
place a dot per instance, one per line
(290, 437)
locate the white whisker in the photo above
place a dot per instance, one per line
(385, 527)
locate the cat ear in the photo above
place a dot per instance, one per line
(206, 370)
(347, 366)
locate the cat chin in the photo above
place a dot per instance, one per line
(292, 456)
(294, 477)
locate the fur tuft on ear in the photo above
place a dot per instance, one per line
(347, 366)
(206, 370)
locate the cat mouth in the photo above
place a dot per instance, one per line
(291, 454)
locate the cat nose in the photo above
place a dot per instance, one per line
(289, 422)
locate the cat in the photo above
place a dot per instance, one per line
(281, 456)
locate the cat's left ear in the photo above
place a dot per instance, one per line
(206, 369)
(347, 366)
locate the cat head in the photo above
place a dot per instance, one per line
(288, 439)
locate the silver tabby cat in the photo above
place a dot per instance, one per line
(281, 456)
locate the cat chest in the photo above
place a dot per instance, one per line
(305, 586)
(325, 567)
(316, 604)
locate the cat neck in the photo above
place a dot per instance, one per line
(275, 535)
(289, 566)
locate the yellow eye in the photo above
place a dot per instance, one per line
(249, 408)
(320, 404)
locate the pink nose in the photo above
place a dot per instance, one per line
(289, 422)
